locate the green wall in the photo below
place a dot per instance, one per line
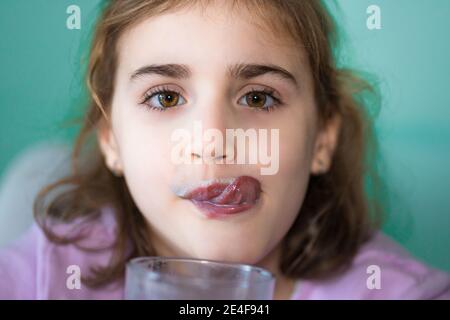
(410, 55)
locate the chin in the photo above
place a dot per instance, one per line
(229, 253)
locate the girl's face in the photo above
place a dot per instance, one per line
(208, 45)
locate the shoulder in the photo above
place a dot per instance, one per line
(17, 266)
(35, 268)
(381, 270)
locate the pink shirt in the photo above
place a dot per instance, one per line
(35, 268)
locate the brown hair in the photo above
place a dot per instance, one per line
(335, 218)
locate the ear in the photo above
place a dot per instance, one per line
(325, 145)
(109, 148)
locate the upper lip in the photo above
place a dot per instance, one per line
(222, 191)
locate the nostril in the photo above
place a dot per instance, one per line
(195, 155)
(212, 156)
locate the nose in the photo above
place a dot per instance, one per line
(213, 116)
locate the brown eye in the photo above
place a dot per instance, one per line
(256, 99)
(168, 99)
(260, 100)
(162, 99)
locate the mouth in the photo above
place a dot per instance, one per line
(219, 198)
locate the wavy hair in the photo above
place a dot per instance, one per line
(337, 215)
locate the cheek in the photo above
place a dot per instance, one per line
(296, 148)
(143, 149)
(295, 157)
(288, 187)
(145, 155)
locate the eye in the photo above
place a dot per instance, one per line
(261, 100)
(162, 99)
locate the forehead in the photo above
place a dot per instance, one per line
(206, 39)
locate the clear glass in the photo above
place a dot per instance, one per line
(159, 278)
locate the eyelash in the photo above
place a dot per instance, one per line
(159, 90)
(151, 93)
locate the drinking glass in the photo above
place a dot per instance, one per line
(161, 278)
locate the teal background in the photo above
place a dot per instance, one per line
(41, 75)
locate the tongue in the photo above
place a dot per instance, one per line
(243, 190)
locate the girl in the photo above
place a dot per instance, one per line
(160, 66)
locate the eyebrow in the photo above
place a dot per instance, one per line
(236, 71)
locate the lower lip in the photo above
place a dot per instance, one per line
(212, 210)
